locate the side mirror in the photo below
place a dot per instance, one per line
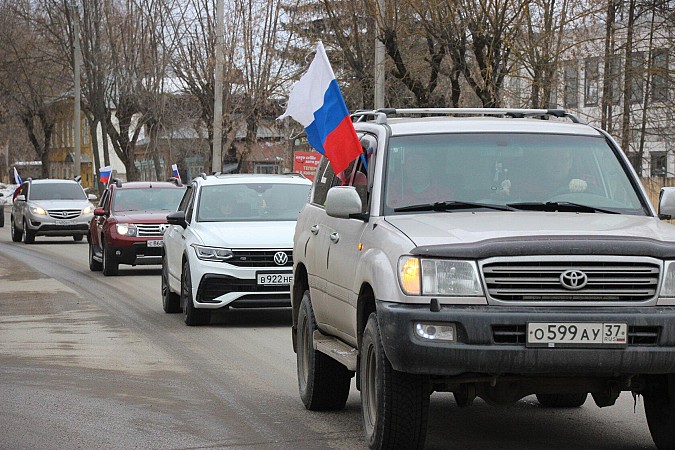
(92, 197)
(667, 203)
(177, 218)
(343, 202)
(99, 212)
(21, 198)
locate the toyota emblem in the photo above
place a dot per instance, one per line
(573, 279)
(280, 258)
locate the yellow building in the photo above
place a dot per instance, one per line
(62, 152)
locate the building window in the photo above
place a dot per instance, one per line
(85, 132)
(660, 76)
(591, 82)
(658, 164)
(637, 82)
(265, 168)
(571, 85)
(615, 79)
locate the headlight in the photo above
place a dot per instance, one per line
(668, 285)
(126, 229)
(38, 211)
(88, 210)
(212, 253)
(440, 277)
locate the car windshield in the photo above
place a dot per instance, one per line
(518, 171)
(251, 202)
(147, 199)
(56, 191)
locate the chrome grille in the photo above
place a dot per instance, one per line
(607, 281)
(151, 229)
(259, 258)
(64, 213)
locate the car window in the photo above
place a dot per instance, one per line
(189, 207)
(507, 168)
(147, 199)
(251, 202)
(57, 191)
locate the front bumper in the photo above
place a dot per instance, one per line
(138, 253)
(490, 340)
(51, 228)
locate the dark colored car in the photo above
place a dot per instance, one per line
(2, 212)
(129, 224)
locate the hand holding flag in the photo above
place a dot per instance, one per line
(316, 102)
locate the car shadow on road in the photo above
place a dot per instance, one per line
(258, 317)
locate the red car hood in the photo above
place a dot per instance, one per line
(142, 216)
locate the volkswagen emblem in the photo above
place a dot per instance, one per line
(280, 258)
(573, 279)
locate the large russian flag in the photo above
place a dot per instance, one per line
(104, 174)
(316, 102)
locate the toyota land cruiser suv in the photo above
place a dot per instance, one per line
(129, 224)
(490, 254)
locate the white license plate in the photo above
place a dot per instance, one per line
(576, 334)
(275, 279)
(65, 222)
(155, 243)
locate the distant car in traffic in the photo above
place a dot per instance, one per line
(2, 212)
(50, 207)
(129, 222)
(229, 244)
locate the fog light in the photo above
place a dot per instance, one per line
(118, 253)
(435, 332)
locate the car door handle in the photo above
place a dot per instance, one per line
(314, 229)
(335, 237)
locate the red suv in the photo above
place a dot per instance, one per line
(129, 223)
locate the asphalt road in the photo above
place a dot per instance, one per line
(88, 361)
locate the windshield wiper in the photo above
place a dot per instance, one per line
(451, 206)
(560, 207)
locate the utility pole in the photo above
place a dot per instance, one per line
(76, 94)
(217, 160)
(379, 60)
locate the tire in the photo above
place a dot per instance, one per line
(94, 266)
(170, 300)
(110, 265)
(562, 400)
(323, 382)
(660, 412)
(395, 405)
(78, 237)
(193, 316)
(27, 236)
(2, 217)
(16, 234)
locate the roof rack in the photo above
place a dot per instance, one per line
(380, 115)
(203, 175)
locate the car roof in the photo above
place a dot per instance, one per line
(253, 178)
(147, 185)
(438, 125)
(52, 181)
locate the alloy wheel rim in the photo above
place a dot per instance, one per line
(370, 408)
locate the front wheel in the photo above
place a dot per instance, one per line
(660, 411)
(395, 405)
(193, 316)
(28, 236)
(110, 264)
(323, 382)
(78, 237)
(562, 400)
(170, 300)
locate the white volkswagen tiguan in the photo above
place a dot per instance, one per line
(230, 244)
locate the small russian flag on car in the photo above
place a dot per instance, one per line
(104, 174)
(174, 171)
(316, 102)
